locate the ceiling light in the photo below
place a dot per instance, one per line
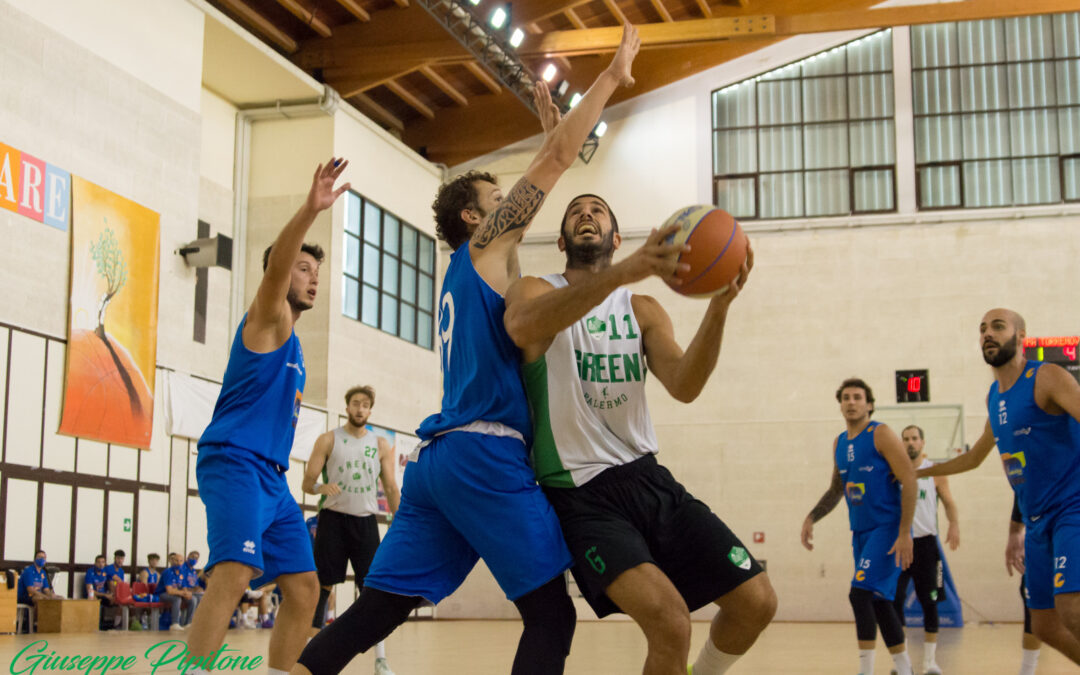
(517, 37)
(600, 129)
(575, 99)
(498, 17)
(550, 72)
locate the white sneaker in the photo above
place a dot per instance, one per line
(382, 667)
(176, 627)
(932, 669)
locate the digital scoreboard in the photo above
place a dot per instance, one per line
(1059, 350)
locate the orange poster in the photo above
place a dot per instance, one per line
(112, 329)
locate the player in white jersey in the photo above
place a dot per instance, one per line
(641, 544)
(350, 461)
(926, 566)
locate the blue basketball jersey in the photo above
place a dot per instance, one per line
(259, 402)
(1040, 451)
(871, 490)
(481, 365)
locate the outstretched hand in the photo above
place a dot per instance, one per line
(322, 194)
(545, 107)
(624, 56)
(731, 291)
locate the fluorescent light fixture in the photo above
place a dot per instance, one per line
(550, 72)
(561, 88)
(575, 99)
(498, 17)
(600, 129)
(474, 3)
(517, 37)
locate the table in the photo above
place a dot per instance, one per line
(68, 616)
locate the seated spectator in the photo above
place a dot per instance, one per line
(150, 576)
(174, 582)
(97, 587)
(34, 581)
(194, 576)
(115, 571)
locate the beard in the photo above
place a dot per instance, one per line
(587, 254)
(298, 301)
(358, 421)
(1004, 353)
(912, 453)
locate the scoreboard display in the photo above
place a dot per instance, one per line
(1059, 350)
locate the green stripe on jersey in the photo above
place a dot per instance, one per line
(325, 479)
(546, 463)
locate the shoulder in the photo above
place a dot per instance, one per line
(647, 309)
(528, 287)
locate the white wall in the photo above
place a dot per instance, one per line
(159, 42)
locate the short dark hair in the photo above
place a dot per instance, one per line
(858, 383)
(99, 557)
(614, 220)
(314, 250)
(453, 197)
(153, 556)
(35, 554)
(119, 552)
(916, 427)
(365, 389)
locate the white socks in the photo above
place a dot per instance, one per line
(712, 661)
(1029, 662)
(929, 654)
(276, 671)
(380, 650)
(866, 662)
(903, 663)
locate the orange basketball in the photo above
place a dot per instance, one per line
(717, 249)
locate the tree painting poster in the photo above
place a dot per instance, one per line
(112, 329)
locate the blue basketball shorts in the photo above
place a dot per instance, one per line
(1052, 556)
(876, 569)
(251, 517)
(469, 496)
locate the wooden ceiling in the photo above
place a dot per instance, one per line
(399, 66)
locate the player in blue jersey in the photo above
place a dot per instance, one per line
(257, 535)
(470, 491)
(1034, 408)
(869, 460)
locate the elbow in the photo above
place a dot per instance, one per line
(518, 330)
(685, 394)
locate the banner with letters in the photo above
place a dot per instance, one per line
(34, 188)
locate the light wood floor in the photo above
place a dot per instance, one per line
(600, 648)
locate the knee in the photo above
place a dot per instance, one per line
(761, 607)
(230, 578)
(666, 623)
(301, 589)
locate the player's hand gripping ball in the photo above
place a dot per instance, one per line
(717, 250)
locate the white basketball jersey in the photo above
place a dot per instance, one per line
(354, 465)
(925, 522)
(587, 395)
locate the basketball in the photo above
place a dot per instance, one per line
(717, 250)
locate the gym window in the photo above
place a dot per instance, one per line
(814, 138)
(389, 280)
(997, 111)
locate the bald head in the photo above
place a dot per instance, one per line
(1013, 318)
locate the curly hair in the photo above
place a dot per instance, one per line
(453, 197)
(856, 383)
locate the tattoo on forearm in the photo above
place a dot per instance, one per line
(829, 500)
(515, 212)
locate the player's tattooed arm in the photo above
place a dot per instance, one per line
(515, 212)
(830, 499)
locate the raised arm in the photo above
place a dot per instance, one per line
(825, 505)
(892, 449)
(269, 320)
(315, 464)
(684, 374)
(508, 222)
(536, 311)
(952, 538)
(965, 462)
(388, 475)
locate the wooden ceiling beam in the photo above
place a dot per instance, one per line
(543, 9)
(380, 114)
(574, 19)
(665, 15)
(410, 98)
(603, 40)
(445, 86)
(262, 25)
(354, 8)
(615, 12)
(706, 11)
(484, 76)
(401, 3)
(307, 16)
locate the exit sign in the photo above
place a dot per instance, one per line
(127, 524)
(913, 386)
